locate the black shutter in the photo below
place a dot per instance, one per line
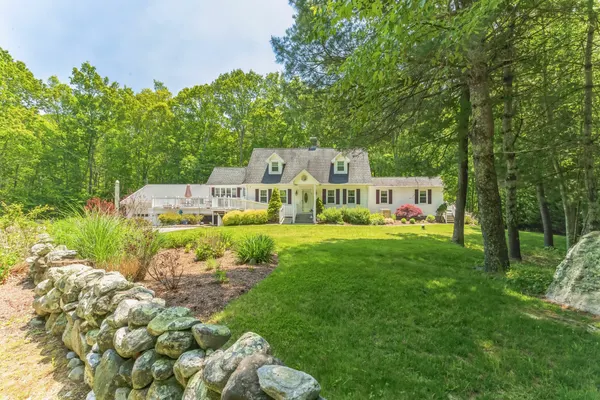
(269, 195)
(337, 196)
(344, 197)
(324, 196)
(390, 197)
(416, 196)
(428, 196)
(289, 196)
(256, 196)
(212, 191)
(377, 196)
(358, 196)
(239, 192)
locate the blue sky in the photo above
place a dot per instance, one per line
(178, 42)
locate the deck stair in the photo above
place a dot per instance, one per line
(304, 218)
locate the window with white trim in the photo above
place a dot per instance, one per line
(225, 192)
(383, 197)
(330, 196)
(283, 196)
(351, 196)
(274, 167)
(341, 166)
(422, 196)
(263, 196)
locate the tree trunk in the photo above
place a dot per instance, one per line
(567, 206)
(593, 210)
(458, 235)
(545, 214)
(90, 166)
(486, 179)
(509, 139)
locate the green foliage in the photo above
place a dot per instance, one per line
(403, 220)
(529, 280)
(255, 249)
(331, 215)
(247, 217)
(188, 248)
(377, 219)
(469, 220)
(170, 218)
(211, 264)
(274, 206)
(356, 215)
(18, 231)
(221, 276)
(430, 218)
(320, 206)
(442, 208)
(412, 221)
(212, 244)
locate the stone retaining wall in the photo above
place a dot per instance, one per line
(126, 344)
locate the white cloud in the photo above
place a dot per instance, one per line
(179, 42)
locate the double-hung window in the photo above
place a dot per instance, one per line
(263, 196)
(275, 167)
(330, 196)
(422, 196)
(351, 196)
(341, 166)
(283, 196)
(384, 197)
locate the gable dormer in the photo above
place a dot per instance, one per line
(275, 164)
(340, 164)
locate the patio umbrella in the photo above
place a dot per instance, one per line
(188, 191)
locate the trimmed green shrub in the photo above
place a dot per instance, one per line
(532, 281)
(403, 220)
(255, 249)
(170, 218)
(356, 216)
(212, 245)
(430, 218)
(412, 221)
(248, 217)
(469, 220)
(274, 206)
(320, 206)
(377, 219)
(331, 216)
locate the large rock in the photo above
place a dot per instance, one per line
(211, 336)
(126, 370)
(162, 369)
(138, 394)
(105, 337)
(76, 374)
(283, 383)
(111, 281)
(160, 323)
(221, 364)
(43, 287)
(135, 292)
(92, 360)
(48, 303)
(41, 249)
(243, 383)
(121, 314)
(129, 343)
(141, 374)
(105, 379)
(196, 389)
(175, 343)
(142, 313)
(122, 393)
(59, 325)
(60, 253)
(577, 279)
(188, 364)
(165, 390)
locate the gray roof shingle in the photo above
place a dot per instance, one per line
(316, 162)
(416, 181)
(227, 176)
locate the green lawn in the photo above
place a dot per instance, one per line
(400, 313)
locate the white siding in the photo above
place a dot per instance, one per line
(364, 195)
(406, 195)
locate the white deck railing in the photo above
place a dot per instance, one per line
(179, 202)
(215, 203)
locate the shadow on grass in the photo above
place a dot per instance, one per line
(408, 317)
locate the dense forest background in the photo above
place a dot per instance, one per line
(498, 97)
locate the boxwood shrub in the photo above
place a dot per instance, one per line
(248, 217)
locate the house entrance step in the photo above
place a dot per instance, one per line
(304, 218)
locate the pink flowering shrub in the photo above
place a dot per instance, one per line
(408, 211)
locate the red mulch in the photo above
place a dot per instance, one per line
(200, 290)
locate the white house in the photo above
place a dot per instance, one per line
(339, 178)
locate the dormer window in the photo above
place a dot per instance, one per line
(340, 164)
(275, 164)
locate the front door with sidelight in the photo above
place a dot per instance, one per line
(307, 200)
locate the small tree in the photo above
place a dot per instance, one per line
(274, 206)
(319, 206)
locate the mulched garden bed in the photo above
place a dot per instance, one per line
(199, 288)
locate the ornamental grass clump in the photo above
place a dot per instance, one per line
(255, 249)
